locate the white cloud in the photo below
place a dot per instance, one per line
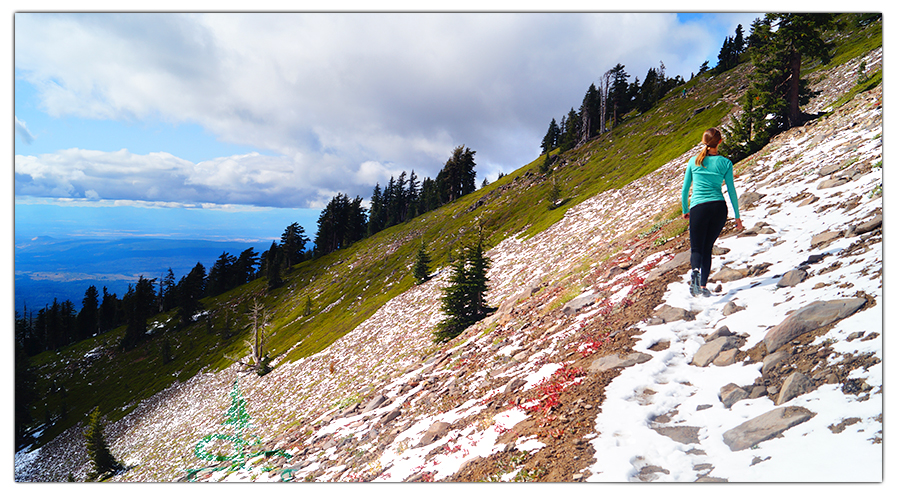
(22, 132)
(343, 98)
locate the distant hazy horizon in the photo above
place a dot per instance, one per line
(34, 218)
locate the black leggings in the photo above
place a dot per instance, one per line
(706, 223)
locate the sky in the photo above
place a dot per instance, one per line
(233, 111)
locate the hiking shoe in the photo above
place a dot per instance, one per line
(705, 292)
(695, 283)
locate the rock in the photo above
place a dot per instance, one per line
(375, 403)
(435, 432)
(830, 183)
(794, 385)
(614, 361)
(514, 385)
(812, 259)
(722, 331)
(669, 314)
(708, 351)
(792, 278)
(578, 303)
(731, 394)
(868, 226)
(521, 356)
(727, 274)
(829, 169)
(806, 319)
(772, 361)
(765, 427)
(391, 415)
(746, 200)
(824, 238)
(720, 250)
(682, 434)
(731, 308)
(726, 357)
(679, 260)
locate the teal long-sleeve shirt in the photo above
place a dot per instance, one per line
(707, 183)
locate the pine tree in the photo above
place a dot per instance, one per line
(139, 304)
(191, 289)
(101, 457)
(88, 319)
(293, 242)
(772, 103)
(273, 266)
(463, 302)
(420, 269)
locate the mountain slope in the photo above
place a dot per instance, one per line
(523, 395)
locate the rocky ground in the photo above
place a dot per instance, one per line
(597, 364)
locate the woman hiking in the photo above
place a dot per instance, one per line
(707, 211)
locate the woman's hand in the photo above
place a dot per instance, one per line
(686, 216)
(738, 225)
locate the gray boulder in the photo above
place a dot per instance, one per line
(435, 432)
(679, 260)
(614, 361)
(708, 351)
(807, 319)
(578, 303)
(669, 314)
(765, 427)
(727, 274)
(792, 278)
(794, 385)
(731, 394)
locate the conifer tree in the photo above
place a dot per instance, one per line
(772, 103)
(463, 302)
(104, 464)
(423, 260)
(273, 266)
(293, 241)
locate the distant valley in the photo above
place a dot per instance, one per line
(48, 268)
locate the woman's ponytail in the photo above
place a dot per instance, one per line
(701, 155)
(711, 138)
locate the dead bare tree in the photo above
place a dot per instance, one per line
(259, 358)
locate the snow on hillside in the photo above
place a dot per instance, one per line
(383, 404)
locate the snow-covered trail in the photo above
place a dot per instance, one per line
(688, 395)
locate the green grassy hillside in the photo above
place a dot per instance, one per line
(348, 286)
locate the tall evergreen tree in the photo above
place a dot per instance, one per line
(423, 260)
(103, 462)
(273, 266)
(191, 288)
(88, 316)
(412, 196)
(590, 114)
(25, 384)
(109, 311)
(221, 275)
(618, 94)
(139, 302)
(772, 104)
(457, 178)
(293, 243)
(551, 138)
(376, 211)
(245, 267)
(463, 302)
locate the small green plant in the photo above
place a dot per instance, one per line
(875, 192)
